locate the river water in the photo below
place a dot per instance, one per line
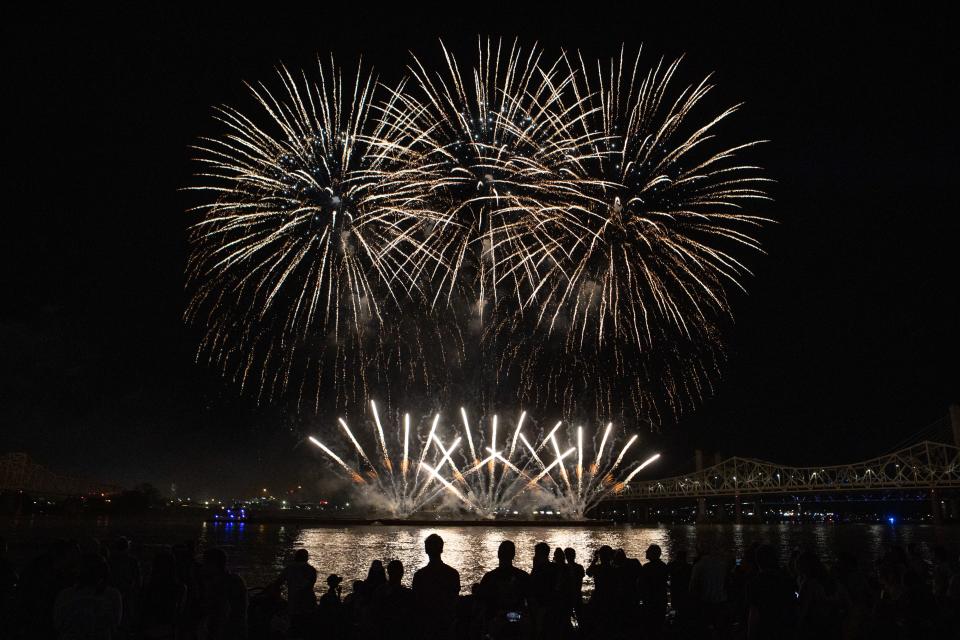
(258, 551)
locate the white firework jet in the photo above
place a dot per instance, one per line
(498, 467)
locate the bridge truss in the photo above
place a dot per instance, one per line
(923, 466)
(18, 472)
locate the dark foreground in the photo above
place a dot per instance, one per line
(102, 589)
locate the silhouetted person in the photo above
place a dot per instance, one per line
(859, 594)
(435, 591)
(41, 582)
(8, 582)
(469, 624)
(505, 592)
(91, 609)
(820, 603)
(627, 578)
(330, 609)
(393, 603)
(352, 602)
(653, 578)
(223, 600)
(574, 581)
(769, 598)
(299, 577)
(188, 572)
(164, 598)
(744, 572)
(125, 576)
(679, 571)
(360, 607)
(945, 568)
(708, 588)
(376, 576)
(604, 600)
(920, 610)
(544, 592)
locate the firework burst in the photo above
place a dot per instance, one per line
(564, 230)
(302, 248)
(492, 147)
(666, 208)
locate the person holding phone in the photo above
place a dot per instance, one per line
(505, 593)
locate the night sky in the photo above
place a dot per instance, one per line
(846, 345)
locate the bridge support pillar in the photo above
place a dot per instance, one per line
(935, 508)
(955, 422)
(701, 502)
(737, 509)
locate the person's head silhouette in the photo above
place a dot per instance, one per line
(433, 545)
(605, 554)
(653, 552)
(570, 554)
(541, 552)
(620, 557)
(558, 556)
(301, 555)
(215, 561)
(333, 581)
(394, 572)
(506, 553)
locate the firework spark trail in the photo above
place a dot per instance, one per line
(579, 461)
(492, 465)
(405, 463)
(516, 433)
(383, 440)
(446, 458)
(603, 443)
(353, 472)
(430, 437)
(547, 469)
(626, 481)
(533, 453)
(446, 483)
(513, 447)
(623, 452)
(353, 439)
(563, 469)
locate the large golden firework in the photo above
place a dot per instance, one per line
(666, 207)
(564, 230)
(303, 246)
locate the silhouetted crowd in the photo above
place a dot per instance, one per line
(87, 590)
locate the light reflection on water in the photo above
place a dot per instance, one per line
(259, 551)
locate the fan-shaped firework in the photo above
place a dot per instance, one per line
(499, 468)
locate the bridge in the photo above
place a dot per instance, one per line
(19, 473)
(926, 469)
(926, 465)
